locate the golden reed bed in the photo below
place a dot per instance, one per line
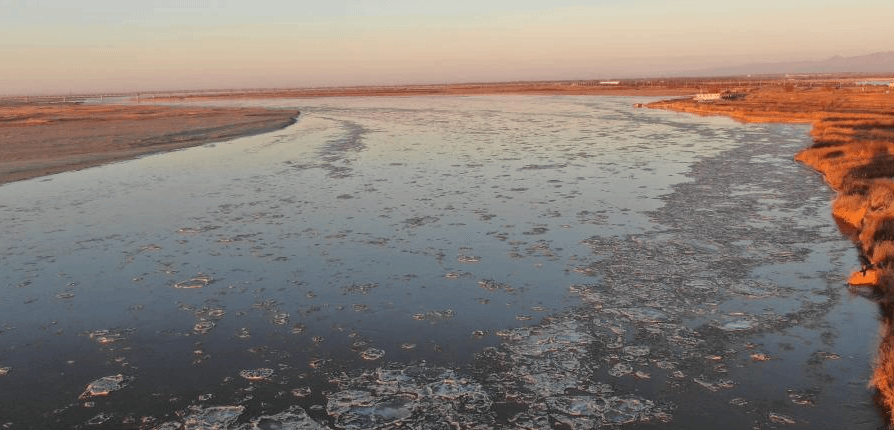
(853, 148)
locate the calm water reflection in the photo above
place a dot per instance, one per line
(497, 261)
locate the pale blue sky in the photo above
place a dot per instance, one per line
(65, 46)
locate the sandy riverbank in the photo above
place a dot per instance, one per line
(39, 139)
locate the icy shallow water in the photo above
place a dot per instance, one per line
(518, 262)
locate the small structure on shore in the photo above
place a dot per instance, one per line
(732, 95)
(710, 97)
(706, 97)
(610, 83)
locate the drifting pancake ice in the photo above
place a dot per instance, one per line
(293, 418)
(552, 374)
(415, 396)
(225, 417)
(212, 418)
(256, 374)
(103, 386)
(195, 282)
(106, 336)
(372, 354)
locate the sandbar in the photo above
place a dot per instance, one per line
(41, 138)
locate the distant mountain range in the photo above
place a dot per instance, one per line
(879, 62)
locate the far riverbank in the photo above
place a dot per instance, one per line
(45, 138)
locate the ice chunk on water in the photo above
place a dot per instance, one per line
(293, 418)
(414, 396)
(110, 335)
(778, 418)
(737, 325)
(584, 412)
(203, 326)
(100, 418)
(212, 418)
(620, 369)
(103, 386)
(645, 314)
(636, 350)
(301, 392)
(355, 409)
(195, 282)
(469, 259)
(256, 374)
(372, 354)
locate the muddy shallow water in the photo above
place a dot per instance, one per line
(428, 262)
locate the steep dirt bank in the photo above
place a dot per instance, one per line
(39, 139)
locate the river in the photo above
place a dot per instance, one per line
(487, 261)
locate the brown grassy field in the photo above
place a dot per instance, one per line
(853, 148)
(42, 138)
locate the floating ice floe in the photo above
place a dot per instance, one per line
(781, 419)
(372, 354)
(256, 374)
(551, 370)
(194, 282)
(106, 336)
(281, 318)
(492, 285)
(360, 288)
(435, 315)
(468, 259)
(415, 396)
(293, 418)
(100, 418)
(212, 418)
(737, 324)
(203, 326)
(103, 386)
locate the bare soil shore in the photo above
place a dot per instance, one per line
(853, 148)
(39, 139)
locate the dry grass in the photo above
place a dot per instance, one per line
(883, 374)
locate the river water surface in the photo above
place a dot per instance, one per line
(439, 262)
